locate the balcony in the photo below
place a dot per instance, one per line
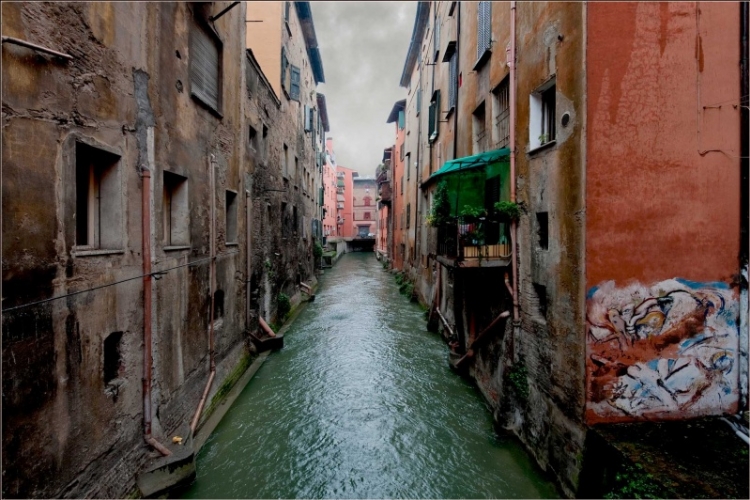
(384, 191)
(474, 243)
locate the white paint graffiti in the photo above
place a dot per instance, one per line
(665, 351)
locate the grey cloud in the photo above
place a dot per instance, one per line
(363, 46)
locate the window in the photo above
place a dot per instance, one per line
(453, 79)
(367, 201)
(501, 114)
(294, 83)
(98, 198)
(542, 115)
(367, 215)
(252, 137)
(287, 6)
(285, 73)
(436, 39)
(408, 166)
(401, 120)
(401, 151)
(295, 220)
(205, 66)
(484, 32)
(175, 209)
(542, 223)
(408, 215)
(479, 130)
(231, 217)
(285, 163)
(218, 304)
(402, 184)
(541, 296)
(419, 101)
(434, 117)
(296, 170)
(112, 357)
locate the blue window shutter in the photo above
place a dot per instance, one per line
(294, 86)
(401, 120)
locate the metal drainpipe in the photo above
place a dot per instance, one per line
(458, 67)
(248, 263)
(146, 249)
(514, 224)
(744, 173)
(212, 286)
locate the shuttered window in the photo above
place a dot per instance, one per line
(284, 70)
(205, 66)
(453, 85)
(294, 85)
(434, 118)
(484, 28)
(436, 40)
(307, 117)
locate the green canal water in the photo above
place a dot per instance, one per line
(361, 403)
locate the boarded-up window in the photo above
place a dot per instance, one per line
(205, 66)
(294, 85)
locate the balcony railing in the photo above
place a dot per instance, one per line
(475, 243)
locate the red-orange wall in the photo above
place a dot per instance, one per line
(662, 202)
(655, 207)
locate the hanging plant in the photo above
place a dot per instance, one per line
(472, 212)
(508, 209)
(440, 210)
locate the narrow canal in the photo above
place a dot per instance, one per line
(361, 403)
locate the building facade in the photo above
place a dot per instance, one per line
(364, 206)
(608, 294)
(140, 230)
(344, 200)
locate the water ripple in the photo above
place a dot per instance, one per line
(361, 404)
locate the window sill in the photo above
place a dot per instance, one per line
(207, 105)
(544, 146)
(94, 252)
(450, 112)
(482, 59)
(174, 248)
(231, 244)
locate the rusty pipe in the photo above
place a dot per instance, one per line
(197, 415)
(445, 322)
(29, 45)
(264, 326)
(146, 249)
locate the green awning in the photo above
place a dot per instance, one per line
(472, 162)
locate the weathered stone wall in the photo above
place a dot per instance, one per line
(66, 433)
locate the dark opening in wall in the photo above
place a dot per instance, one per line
(542, 222)
(218, 304)
(112, 357)
(541, 297)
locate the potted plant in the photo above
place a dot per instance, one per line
(506, 211)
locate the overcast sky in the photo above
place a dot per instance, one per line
(363, 46)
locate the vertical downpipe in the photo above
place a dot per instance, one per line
(744, 200)
(248, 263)
(514, 224)
(147, 316)
(212, 288)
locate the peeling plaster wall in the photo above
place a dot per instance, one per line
(663, 137)
(127, 91)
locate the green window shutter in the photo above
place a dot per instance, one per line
(434, 116)
(284, 63)
(294, 85)
(401, 120)
(320, 194)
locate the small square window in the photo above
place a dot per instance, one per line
(542, 222)
(479, 130)
(542, 115)
(231, 217)
(176, 213)
(541, 296)
(98, 199)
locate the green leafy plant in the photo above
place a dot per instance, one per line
(283, 305)
(508, 209)
(634, 482)
(519, 381)
(475, 212)
(317, 251)
(440, 211)
(543, 139)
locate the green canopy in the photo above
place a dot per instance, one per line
(471, 162)
(477, 181)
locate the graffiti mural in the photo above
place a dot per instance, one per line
(668, 350)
